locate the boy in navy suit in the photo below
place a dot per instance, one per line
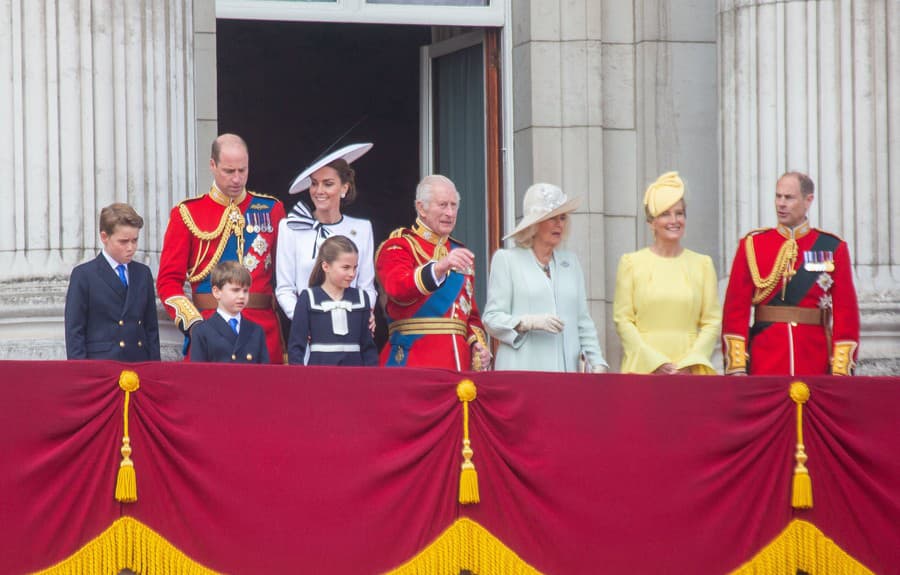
(110, 304)
(226, 336)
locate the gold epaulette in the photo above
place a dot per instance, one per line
(393, 235)
(757, 231)
(455, 241)
(408, 235)
(188, 200)
(258, 195)
(399, 233)
(835, 236)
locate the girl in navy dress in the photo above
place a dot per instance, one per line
(331, 319)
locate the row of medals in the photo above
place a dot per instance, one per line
(818, 261)
(259, 222)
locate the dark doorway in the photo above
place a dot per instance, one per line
(290, 89)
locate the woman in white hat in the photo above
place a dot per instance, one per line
(332, 186)
(537, 306)
(666, 306)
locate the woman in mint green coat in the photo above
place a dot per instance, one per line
(537, 306)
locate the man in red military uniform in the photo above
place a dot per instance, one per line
(429, 281)
(799, 283)
(228, 223)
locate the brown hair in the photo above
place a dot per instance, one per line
(807, 186)
(230, 272)
(119, 215)
(348, 176)
(330, 250)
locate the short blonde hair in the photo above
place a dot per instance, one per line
(650, 217)
(525, 238)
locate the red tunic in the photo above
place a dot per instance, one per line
(431, 325)
(823, 279)
(205, 230)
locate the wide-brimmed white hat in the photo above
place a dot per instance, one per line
(347, 153)
(542, 202)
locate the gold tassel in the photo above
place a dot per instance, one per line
(801, 497)
(468, 477)
(126, 480)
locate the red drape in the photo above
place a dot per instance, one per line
(252, 469)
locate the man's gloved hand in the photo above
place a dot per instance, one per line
(542, 321)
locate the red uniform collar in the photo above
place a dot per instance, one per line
(220, 198)
(427, 234)
(795, 233)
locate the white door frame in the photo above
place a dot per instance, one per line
(360, 11)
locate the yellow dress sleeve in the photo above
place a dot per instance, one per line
(709, 323)
(638, 357)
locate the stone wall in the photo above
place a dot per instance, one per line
(811, 85)
(98, 99)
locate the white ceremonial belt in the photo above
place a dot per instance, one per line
(333, 347)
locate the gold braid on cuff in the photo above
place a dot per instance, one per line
(735, 354)
(842, 361)
(186, 314)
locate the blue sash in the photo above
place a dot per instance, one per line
(253, 215)
(437, 305)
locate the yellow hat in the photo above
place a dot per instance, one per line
(663, 193)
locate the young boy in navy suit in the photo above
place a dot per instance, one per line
(226, 336)
(110, 304)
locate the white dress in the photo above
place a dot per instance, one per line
(299, 238)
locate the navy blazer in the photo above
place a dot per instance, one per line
(214, 340)
(104, 320)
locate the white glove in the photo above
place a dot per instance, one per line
(541, 321)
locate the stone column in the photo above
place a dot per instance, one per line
(97, 102)
(811, 86)
(607, 96)
(659, 90)
(558, 116)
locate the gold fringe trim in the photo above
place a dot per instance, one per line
(128, 544)
(802, 546)
(801, 492)
(126, 480)
(468, 477)
(466, 546)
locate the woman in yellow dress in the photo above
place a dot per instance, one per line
(666, 306)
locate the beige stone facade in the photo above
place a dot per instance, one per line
(118, 102)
